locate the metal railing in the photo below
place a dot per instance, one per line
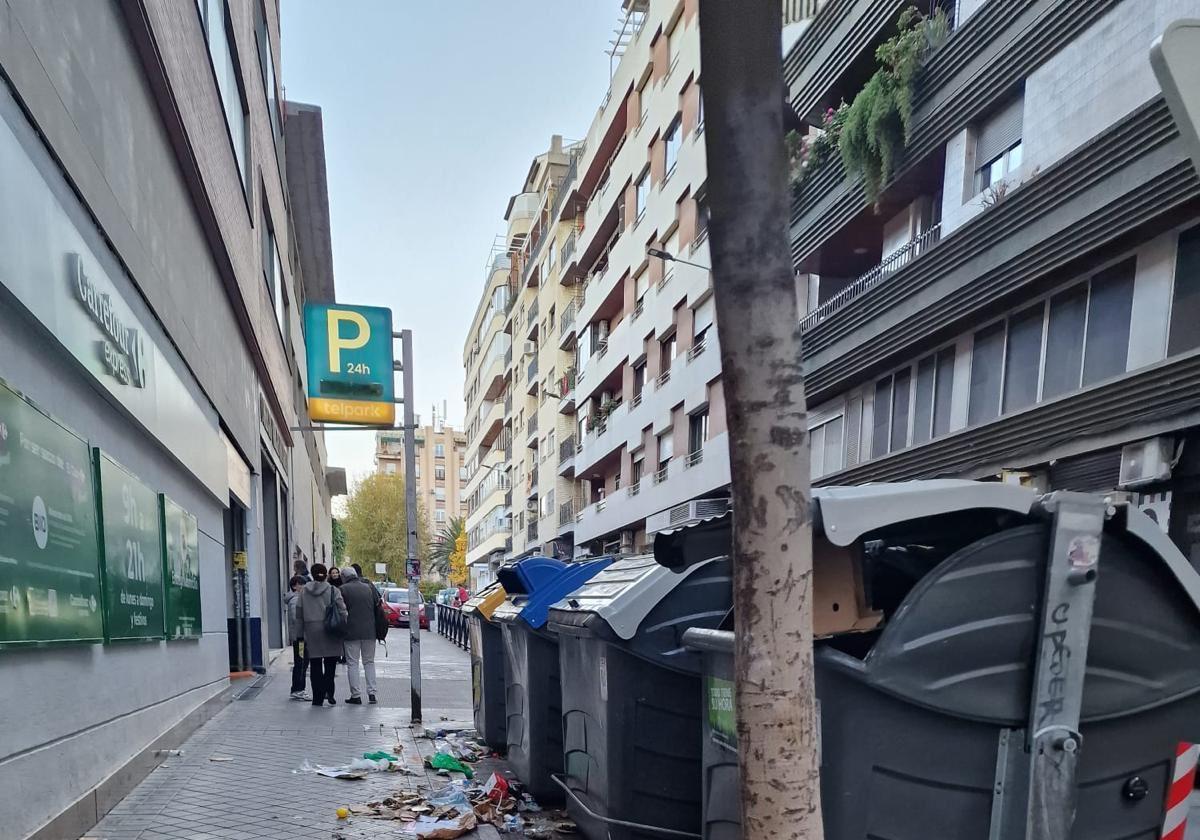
(532, 312)
(531, 532)
(895, 261)
(697, 349)
(452, 624)
(566, 450)
(661, 475)
(693, 459)
(564, 186)
(568, 249)
(568, 314)
(638, 309)
(635, 488)
(532, 370)
(566, 513)
(663, 379)
(636, 401)
(601, 348)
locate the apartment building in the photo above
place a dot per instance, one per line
(644, 401)
(1021, 302)
(153, 484)
(440, 464)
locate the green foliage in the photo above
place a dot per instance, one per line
(429, 589)
(878, 123)
(339, 541)
(442, 546)
(376, 525)
(806, 153)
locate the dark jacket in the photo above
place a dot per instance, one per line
(295, 629)
(362, 599)
(310, 610)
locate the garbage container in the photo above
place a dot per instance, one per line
(630, 695)
(533, 697)
(925, 718)
(487, 666)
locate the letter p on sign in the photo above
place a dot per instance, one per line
(337, 343)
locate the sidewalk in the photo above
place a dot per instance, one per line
(238, 779)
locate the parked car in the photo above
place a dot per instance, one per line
(395, 604)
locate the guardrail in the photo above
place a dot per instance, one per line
(452, 624)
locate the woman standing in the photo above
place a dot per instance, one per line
(321, 648)
(335, 576)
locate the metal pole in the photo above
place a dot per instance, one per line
(411, 568)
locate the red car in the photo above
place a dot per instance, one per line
(395, 604)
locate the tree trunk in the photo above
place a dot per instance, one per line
(742, 84)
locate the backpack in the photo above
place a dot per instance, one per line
(335, 625)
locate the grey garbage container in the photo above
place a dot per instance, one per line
(924, 718)
(487, 671)
(630, 699)
(533, 694)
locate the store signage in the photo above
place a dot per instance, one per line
(350, 364)
(132, 551)
(49, 560)
(181, 550)
(722, 719)
(124, 348)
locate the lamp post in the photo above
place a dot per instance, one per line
(660, 254)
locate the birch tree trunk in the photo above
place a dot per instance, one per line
(742, 85)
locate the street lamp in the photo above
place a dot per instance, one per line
(660, 254)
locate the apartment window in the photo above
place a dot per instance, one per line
(639, 378)
(987, 362)
(697, 430)
(671, 142)
(439, 472)
(439, 494)
(272, 268)
(666, 448)
(700, 112)
(417, 469)
(666, 353)
(439, 450)
(702, 320)
(266, 66)
(825, 447)
(1064, 342)
(640, 284)
(641, 188)
(1185, 302)
(901, 387)
(643, 101)
(439, 516)
(1022, 356)
(671, 246)
(672, 51)
(1110, 306)
(639, 468)
(701, 216)
(222, 49)
(550, 252)
(389, 468)
(462, 474)
(998, 145)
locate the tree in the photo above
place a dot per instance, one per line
(765, 408)
(339, 541)
(443, 546)
(458, 560)
(376, 529)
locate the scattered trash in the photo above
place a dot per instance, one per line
(341, 773)
(220, 758)
(445, 761)
(427, 828)
(451, 795)
(496, 788)
(343, 813)
(169, 753)
(380, 755)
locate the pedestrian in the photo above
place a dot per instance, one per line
(358, 571)
(321, 648)
(362, 602)
(296, 634)
(463, 595)
(335, 576)
(300, 568)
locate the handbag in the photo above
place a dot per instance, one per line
(381, 622)
(335, 625)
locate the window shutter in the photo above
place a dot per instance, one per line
(704, 316)
(999, 132)
(666, 446)
(853, 429)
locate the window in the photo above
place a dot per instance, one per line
(440, 494)
(702, 320)
(640, 284)
(417, 469)
(882, 419)
(1064, 342)
(389, 468)
(700, 112)
(666, 448)
(439, 472)
(998, 145)
(462, 474)
(1110, 306)
(671, 246)
(266, 66)
(641, 188)
(671, 143)
(439, 450)
(825, 447)
(1185, 301)
(931, 396)
(901, 386)
(666, 353)
(701, 217)
(639, 378)
(1022, 356)
(697, 430)
(439, 516)
(222, 50)
(643, 101)
(639, 468)
(272, 268)
(550, 252)
(987, 359)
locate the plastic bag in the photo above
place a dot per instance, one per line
(450, 795)
(445, 761)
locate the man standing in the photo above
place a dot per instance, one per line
(296, 634)
(362, 600)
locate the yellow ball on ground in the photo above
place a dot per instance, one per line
(342, 813)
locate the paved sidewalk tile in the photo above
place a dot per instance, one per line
(262, 791)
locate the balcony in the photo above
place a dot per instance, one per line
(566, 333)
(662, 380)
(697, 350)
(531, 429)
(531, 315)
(693, 459)
(566, 456)
(566, 514)
(531, 533)
(873, 277)
(566, 400)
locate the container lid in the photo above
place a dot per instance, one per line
(533, 584)
(476, 601)
(625, 592)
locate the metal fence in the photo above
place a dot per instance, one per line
(452, 623)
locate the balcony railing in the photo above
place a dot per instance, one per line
(661, 475)
(568, 248)
(508, 405)
(666, 278)
(566, 449)
(601, 348)
(508, 358)
(865, 282)
(531, 532)
(564, 186)
(532, 312)
(568, 315)
(566, 513)
(638, 309)
(697, 349)
(663, 379)
(635, 488)
(636, 401)
(693, 459)
(703, 234)
(532, 370)
(532, 425)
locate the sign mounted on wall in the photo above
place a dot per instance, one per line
(181, 537)
(350, 364)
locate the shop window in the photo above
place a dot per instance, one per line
(1185, 301)
(987, 362)
(1022, 356)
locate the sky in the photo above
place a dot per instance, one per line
(433, 112)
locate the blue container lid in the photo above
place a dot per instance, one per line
(535, 583)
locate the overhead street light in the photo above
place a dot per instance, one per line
(660, 254)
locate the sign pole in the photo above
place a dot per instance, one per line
(412, 566)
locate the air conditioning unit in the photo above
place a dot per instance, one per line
(688, 513)
(530, 348)
(1146, 462)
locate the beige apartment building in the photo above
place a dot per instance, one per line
(441, 468)
(609, 420)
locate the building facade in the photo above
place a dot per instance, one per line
(441, 469)
(151, 403)
(611, 408)
(1020, 303)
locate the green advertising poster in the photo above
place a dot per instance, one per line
(49, 557)
(133, 565)
(722, 722)
(182, 573)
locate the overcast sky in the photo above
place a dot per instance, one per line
(433, 112)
